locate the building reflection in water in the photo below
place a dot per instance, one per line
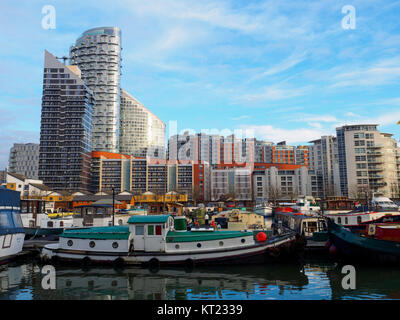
(312, 281)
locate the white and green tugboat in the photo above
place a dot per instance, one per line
(162, 239)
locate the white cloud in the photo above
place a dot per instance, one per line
(288, 63)
(272, 93)
(240, 118)
(380, 73)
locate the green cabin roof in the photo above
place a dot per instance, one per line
(99, 233)
(191, 236)
(162, 218)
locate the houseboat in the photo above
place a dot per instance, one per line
(11, 229)
(161, 239)
(307, 205)
(383, 211)
(39, 222)
(304, 204)
(311, 227)
(263, 209)
(239, 220)
(377, 243)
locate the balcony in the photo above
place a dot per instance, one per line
(375, 176)
(377, 161)
(380, 184)
(374, 153)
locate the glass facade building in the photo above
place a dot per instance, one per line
(141, 133)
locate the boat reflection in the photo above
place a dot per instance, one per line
(138, 283)
(313, 281)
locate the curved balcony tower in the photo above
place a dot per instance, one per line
(97, 53)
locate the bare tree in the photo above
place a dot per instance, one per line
(294, 193)
(362, 193)
(196, 195)
(274, 194)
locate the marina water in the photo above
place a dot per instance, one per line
(314, 280)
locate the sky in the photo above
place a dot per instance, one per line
(277, 70)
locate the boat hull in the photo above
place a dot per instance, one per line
(41, 232)
(282, 249)
(266, 212)
(353, 247)
(10, 246)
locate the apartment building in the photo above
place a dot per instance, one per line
(97, 53)
(110, 171)
(213, 149)
(142, 134)
(324, 160)
(231, 183)
(284, 182)
(24, 159)
(368, 161)
(190, 177)
(66, 128)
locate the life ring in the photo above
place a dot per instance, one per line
(371, 229)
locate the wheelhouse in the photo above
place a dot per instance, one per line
(302, 224)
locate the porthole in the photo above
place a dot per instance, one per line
(199, 245)
(92, 244)
(70, 243)
(243, 240)
(120, 222)
(115, 245)
(177, 246)
(221, 243)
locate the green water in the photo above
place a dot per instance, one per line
(313, 280)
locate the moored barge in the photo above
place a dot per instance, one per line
(161, 239)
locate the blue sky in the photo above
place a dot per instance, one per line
(286, 70)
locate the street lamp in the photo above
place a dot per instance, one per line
(113, 210)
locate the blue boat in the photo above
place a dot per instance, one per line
(356, 246)
(11, 229)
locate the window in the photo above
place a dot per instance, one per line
(139, 230)
(339, 220)
(158, 230)
(150, 230)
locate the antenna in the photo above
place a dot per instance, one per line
(64, 58)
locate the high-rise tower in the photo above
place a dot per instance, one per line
(142, 132)
(66, 127)
(97, 53)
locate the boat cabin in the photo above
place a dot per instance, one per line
(305, 225)
(149, 232)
